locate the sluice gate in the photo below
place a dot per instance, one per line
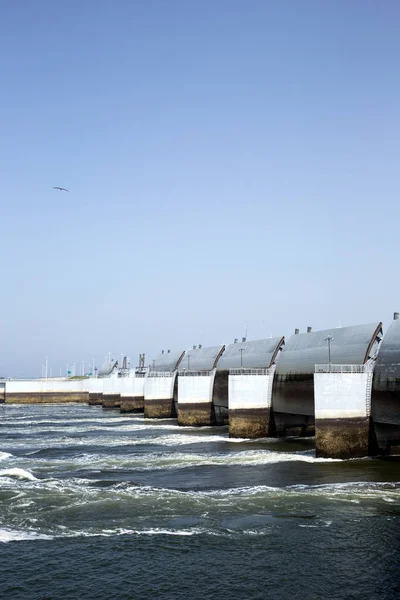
(343, 384)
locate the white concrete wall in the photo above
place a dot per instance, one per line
(93, 385)
(341, 395)
(159, 388)
(192, 389)
(17, 386)
(249, 391)
(111, 385)
(126, 386)
(131, 386)
(138, 386)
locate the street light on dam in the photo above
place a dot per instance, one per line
(329, 339)
(241, 350)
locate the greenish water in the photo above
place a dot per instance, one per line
(94, 504)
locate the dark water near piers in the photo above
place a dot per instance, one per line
(96, 505)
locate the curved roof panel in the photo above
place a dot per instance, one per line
(107, 368)
(349, 345)
(257, 354)
(167, 361)
(387, 366)
(201, 359)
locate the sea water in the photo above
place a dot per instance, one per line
(99, 505)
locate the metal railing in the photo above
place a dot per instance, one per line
(161, 373)
(244, 371)
(367, 368)
(185, 373)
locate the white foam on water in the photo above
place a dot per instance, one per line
(151, 531)
(10, 535)
(246, 457)
(364, 489)
(158, 531)
(4, 455)
(317, 526)
(18, 473)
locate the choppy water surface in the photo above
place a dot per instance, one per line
(94, 504)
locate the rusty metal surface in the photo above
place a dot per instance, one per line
(167, 361)
(254, 354)
(349, 345)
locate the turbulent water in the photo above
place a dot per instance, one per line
(94, 504)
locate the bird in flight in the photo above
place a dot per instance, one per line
(60, 188)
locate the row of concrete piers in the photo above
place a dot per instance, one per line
(343, 385)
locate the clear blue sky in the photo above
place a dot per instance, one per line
(230, 163)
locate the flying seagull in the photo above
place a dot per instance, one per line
(60, 188)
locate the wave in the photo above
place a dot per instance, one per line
(180, 460)
(18, 473)
(4, 455)
(11, 535)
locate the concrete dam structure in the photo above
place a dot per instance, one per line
(161, 386)
(96, 384)
(114, 388)
(343, 384)
(132, 392)
(293, 389)
(250, 367)
(40, 391)
(202, 396)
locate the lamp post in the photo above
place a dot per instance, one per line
(241, 350)
(329, 339)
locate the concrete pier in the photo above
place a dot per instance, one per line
(195, 407)
(251, 372)
(111, 391)
(343, 411)
(196, 382)
(160, 395)
(111, 401)
(40, 391)
(94, 386)
(132, 393)
(95, 398)
(250, 409)
(293, 388)
(161, 386)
